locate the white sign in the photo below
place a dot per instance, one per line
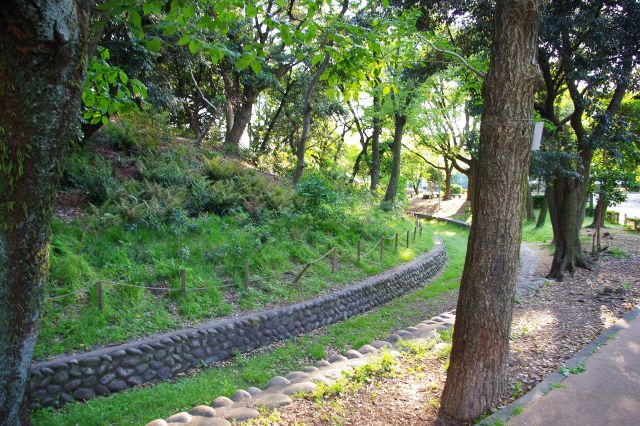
(537, 136)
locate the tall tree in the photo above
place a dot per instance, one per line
(43, 55)
(475, 379)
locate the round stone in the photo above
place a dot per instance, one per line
(240, 395)
(366, 349)
(278, 381)
(157, 422)
(299, 387)
(380, 344)
(310, 369)
(221, 401)
(240, 414)
(202, 411)
(207, 421)
(322, 379)
(337, 358)
(181, 417)
(254, 391)
(393, 338)
(323, 363)
(272, 400)
(351, 354)
(296, 376)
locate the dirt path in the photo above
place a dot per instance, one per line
(549, 327)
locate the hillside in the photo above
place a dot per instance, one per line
(138, 207)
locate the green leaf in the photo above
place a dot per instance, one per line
(193, 46)
(105, 54)
(244, 61)
(123, 77)
(317, 58)
(151, 7)
(184, 40)
(88, 98)
(135, 20)
(154, 44)
(251, 11)
(105, 120)
(386, 90)
(256, 66)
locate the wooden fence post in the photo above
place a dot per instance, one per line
(333, 260)
(301, 273)
(245, 275)
(415, 229)
(183, 287)
(396, 241)
(358, 251)
(420, 230)
(407, 238)
(99, 293)
(381, 247)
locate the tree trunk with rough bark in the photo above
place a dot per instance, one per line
(43, 57)
(306, 118)
(448, 169)
(392, 187)
(543, 211)
(564, 212)
(476, 375)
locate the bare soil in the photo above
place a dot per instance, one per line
(549, 327)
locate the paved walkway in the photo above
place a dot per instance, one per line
(606, 394)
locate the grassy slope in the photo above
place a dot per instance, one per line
(211, 250)
(138, 406)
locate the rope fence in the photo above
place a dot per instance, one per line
(333, 253)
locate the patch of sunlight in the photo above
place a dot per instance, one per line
(449, 234)
(532, 322)
(607, 316)
(407, 254)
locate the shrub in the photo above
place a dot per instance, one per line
(456, 189)
(142, 131)
(93, 176)
(167, 170)
(313, 195)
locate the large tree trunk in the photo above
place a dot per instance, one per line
(564, 211)
(241, 118)
(543, 211)
(475, 379)
(375, 144)
(530, 216)
(43, 55)
(448, 169)
(599, 213)
(306, 118)
(392, 187)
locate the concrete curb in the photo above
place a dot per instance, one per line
(546, 385)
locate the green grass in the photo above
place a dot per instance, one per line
(138, 406)
(211, 250)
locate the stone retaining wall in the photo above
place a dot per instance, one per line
(163, 356)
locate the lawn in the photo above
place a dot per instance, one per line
(140, 405)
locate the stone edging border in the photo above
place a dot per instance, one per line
(547, 384)
(243, 404)
(163, 356)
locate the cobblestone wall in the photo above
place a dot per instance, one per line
(163, 356)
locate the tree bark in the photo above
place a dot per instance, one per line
(392, 187)
(475, 379)
(529, 201)
(306, 118)
(564, 211)
(543, 212)
(448, 168)
(598, 213)
(43, 57)
(375, 144)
